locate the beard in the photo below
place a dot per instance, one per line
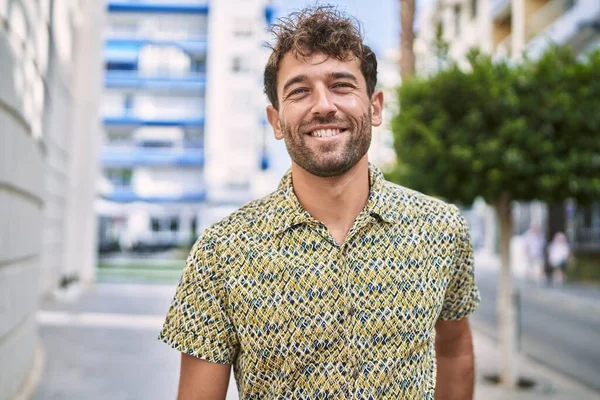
(331, 158)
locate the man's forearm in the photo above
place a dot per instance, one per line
(455, 377)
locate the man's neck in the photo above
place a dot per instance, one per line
(335, 201)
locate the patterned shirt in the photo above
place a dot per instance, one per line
(269, 290)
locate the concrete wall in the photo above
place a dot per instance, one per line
(21, 186)
(37, 167)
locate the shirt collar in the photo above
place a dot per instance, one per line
(294, 214)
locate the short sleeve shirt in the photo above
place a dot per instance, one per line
(269, 290)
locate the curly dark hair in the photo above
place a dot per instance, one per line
(322, 29)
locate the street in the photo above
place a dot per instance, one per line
(562, 335)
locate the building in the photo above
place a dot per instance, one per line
(183, 116)
(509, 29)
(49, 140)
(381, 151)
(505, 28)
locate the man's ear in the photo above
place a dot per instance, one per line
(273, 117)
(377, 108)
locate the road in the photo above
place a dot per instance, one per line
(562, 336)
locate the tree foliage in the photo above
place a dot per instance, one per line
(531, 130)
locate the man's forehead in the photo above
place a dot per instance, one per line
(316, 64)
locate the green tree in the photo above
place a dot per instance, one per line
(503, 132)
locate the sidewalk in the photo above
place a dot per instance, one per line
(103, 345)
(548, 383)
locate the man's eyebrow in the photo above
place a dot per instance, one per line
(343, 75)
(294, 80)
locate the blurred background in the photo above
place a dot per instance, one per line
(129, 126)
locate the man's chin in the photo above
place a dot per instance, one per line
(328, 170)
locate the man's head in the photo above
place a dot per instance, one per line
(320, 80)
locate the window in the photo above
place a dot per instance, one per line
(174, 225)
(236, 65)
(240, 64)
(198, 66)
(119, 176)
(121, 66)
(155, 144)
(457, 10)
(155, 225)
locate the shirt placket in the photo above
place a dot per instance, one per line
(351, 323)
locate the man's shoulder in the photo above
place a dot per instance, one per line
(416, 205)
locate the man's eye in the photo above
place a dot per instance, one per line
(343, 85)
(298, 91)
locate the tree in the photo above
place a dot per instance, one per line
(505, 133)
(407, 38)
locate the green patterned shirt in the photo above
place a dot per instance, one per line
(269, 290)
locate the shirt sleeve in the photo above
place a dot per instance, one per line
(197, 322)
(462, 296)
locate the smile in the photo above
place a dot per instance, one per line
(326, 132)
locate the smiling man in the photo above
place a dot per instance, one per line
(338, 285)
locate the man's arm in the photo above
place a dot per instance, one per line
(202, 380)
(455, 360)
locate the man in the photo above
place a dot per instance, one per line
(339, 285)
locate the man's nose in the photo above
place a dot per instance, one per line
(323, 102)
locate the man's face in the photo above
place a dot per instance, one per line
(325, 114)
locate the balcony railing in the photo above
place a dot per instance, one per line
(158, 6)
(127, 195)
(135, 80)
(130, 144)
(194, 46)
(124, 157)
(129, 120)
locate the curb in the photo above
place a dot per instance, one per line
(34, 378)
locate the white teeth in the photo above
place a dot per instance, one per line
(325, 132)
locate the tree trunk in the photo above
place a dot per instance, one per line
(407, 38)
(506, 305)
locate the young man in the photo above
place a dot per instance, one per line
(339, 285)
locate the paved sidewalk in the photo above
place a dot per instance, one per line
(548, 383)
(103, 345)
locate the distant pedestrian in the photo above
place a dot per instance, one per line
(559, 253)
(338, 285)
(534, 247)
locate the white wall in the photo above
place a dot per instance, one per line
(167, 181)
(235, 103)
(36, 169)
(21, 190)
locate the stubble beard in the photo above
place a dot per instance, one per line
(321, 162)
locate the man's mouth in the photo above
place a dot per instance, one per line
(326, 132)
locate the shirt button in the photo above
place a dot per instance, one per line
(352, 311)
(355, 374)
